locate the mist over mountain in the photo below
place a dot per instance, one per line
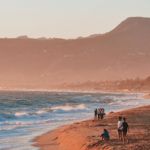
(91, 36)
(121, 53)
(22, 37)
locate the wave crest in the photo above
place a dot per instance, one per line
(69, 108)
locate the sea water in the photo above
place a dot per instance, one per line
(27, 114)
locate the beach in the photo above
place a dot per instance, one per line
(147, 96)
(25, 115)
(84, 135)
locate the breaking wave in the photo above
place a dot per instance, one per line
(25, 114)
(67, 108)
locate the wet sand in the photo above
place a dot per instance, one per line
(85, 135)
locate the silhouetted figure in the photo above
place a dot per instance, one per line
(95, 113)
(124, 129)
(102, 113)
(99, 113)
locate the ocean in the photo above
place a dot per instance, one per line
(27, 114)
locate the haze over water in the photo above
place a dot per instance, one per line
(26, 114)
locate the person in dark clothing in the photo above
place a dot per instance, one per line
(102, 113)
(125, 129)
(95, 113)
(99, 113)
(105, 135)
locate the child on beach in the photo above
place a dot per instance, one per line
(105, 135)
(124, 129)
(120, 122)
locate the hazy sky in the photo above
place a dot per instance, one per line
(66, 18)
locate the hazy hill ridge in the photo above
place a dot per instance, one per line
(121, 53)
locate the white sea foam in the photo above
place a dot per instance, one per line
(14, 125)
(67, 108)
(85, 97)
(23, 115)
(62, 94)
(6, 122)
(41, 112)
(106, 98)
(20, 114)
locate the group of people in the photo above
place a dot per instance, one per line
(99, 113)
(122, 127)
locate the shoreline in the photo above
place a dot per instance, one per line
(78, 91)
(85, 134)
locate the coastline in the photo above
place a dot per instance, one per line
(79, 91)
(84, 135)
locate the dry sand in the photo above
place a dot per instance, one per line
(147, 96)
(85, 135)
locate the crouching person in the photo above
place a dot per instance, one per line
(105, 135)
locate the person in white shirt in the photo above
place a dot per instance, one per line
(119, 126)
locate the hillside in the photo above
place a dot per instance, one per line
(121, 53)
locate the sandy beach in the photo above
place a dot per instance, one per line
(85, 135)
(146, 96)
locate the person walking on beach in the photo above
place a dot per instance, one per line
(99, 113)
(105, 135)
(120, 122)
(95, 113)
(102, 113)
(124, 129)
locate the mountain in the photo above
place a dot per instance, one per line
(137, 24)
(91, 36)
(121, 53)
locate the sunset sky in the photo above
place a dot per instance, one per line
(66, 18)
